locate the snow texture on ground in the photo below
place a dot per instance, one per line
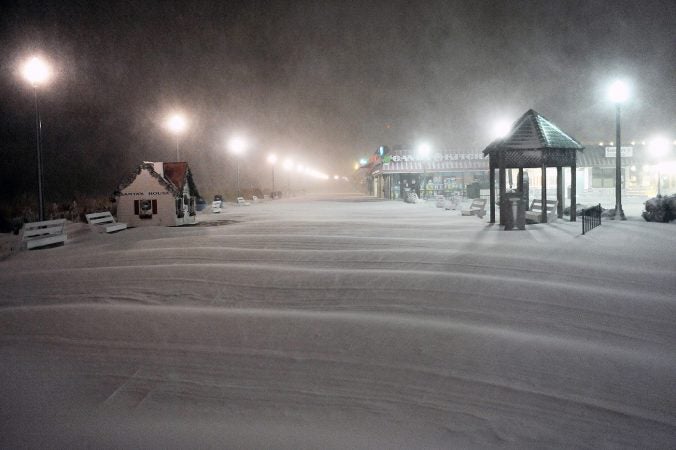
(342, 323)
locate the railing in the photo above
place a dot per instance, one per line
(591, 218)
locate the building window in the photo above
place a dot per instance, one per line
(604, 177)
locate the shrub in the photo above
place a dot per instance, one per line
(660, 209)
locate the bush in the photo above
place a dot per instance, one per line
(660, 209)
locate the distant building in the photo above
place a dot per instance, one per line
(158, 193)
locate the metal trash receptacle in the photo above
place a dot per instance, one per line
(515, 211)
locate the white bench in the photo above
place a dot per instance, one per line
(535, 213)
(41, 234)
(216, 206)
(476, 208)
(411, 197)
(105, 221)
(242, 202)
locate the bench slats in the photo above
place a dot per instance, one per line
(535, 212)
(40, 234)
(106, 221)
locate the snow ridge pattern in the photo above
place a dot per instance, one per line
(340, 323)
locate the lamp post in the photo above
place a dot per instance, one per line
(288, 166)
(658, 147)
(237, 146)
(37, 72)
(177, 124)
(272, 159)
(423, 153)
(619, 93)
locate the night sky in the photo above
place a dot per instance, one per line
(326, 82)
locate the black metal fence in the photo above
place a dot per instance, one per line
(591, 218)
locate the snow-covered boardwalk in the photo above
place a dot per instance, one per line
(342, 323)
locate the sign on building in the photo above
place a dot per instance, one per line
(625, 152)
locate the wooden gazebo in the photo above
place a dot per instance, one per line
(533, 142)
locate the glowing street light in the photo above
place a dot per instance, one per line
(237, 146)
(424, 150)
(272, 159)
(177, 124)
(37, 72)
(501, 128)
(659, 147)
(288, 166)
(618, 94)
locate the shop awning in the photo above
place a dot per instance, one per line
(462, 163)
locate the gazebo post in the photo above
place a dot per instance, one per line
(543, 219)
(573, 191)
(503, 187)
(491, 180)
(559, 192)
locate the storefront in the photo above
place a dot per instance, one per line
(446, 173)
(463, 173)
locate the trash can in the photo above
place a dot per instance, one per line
(515, 213)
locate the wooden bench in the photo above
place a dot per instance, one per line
(535, 212)
(105, 221)
(242, 202)
(216, 206)
(41, 234)
(476, 208)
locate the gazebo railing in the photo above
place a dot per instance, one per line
(591, 218)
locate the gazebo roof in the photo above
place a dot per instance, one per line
(533, 131)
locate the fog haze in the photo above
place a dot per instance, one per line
(325, 82)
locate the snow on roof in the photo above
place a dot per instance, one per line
(533, 131)
(172, 175)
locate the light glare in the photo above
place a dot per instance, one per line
(659, 146)
(424, 150)
(237, 145)
(618, 92)
(177, 123)
(501, 128)
(36, 71)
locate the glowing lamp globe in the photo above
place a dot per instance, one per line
(618, 92)
(36, 71)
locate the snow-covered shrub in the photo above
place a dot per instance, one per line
(660, 209)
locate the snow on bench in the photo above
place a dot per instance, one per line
(477, 208)
(535, 212)
(105, 221)
(41, 234)
(242, 202)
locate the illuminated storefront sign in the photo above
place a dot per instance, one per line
(435, 157)
(626, 152)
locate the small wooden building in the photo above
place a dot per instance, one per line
(533, 142)
(158, 193)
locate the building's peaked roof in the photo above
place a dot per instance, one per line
(177, 173)
(534, 131)
(173, 176)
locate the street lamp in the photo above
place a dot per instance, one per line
(423, 153)
(659, 147)
(272, 159)
(177, 124)
(37, 72)
(237, 146)
(288, 166)
(618, 93)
